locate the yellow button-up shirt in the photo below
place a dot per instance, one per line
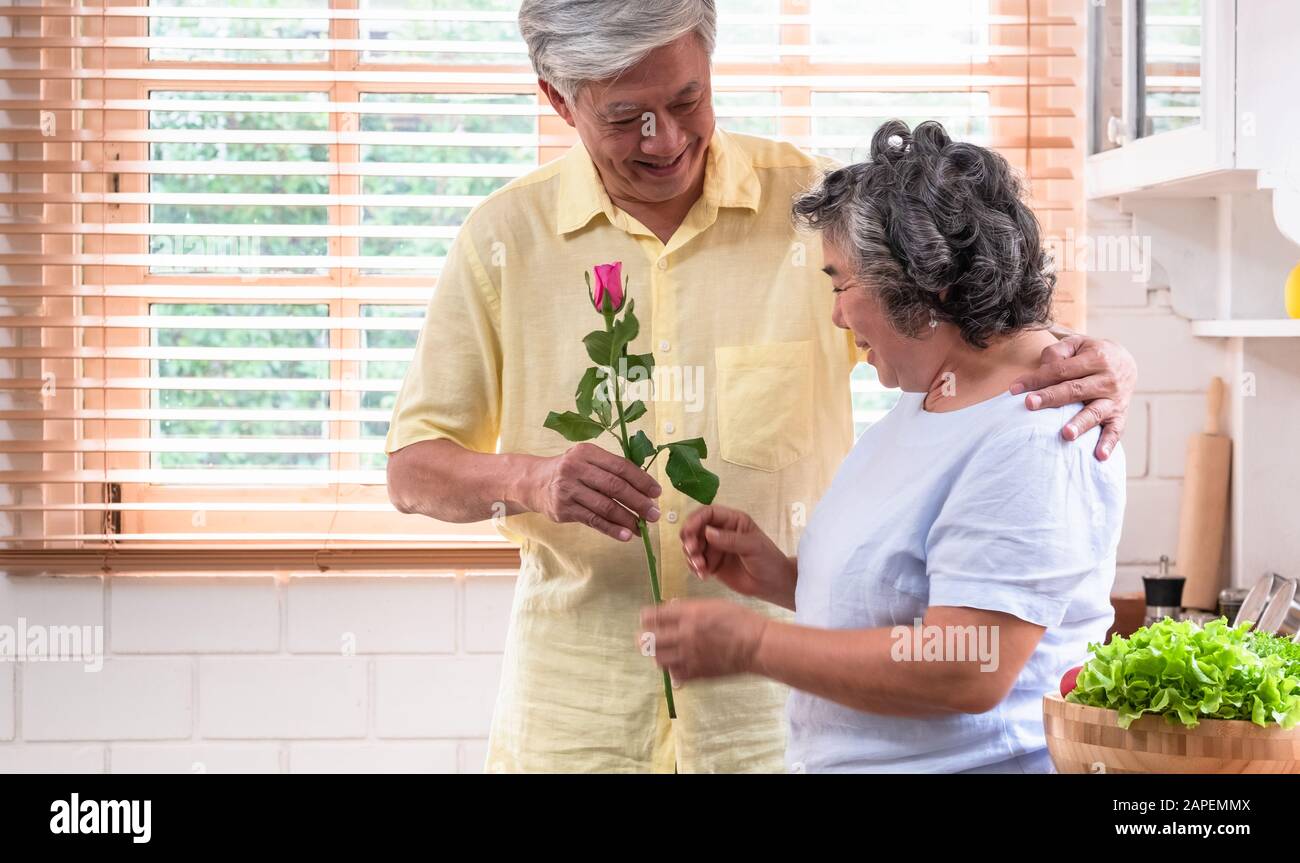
(738, 316)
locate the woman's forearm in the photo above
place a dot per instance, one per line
(857, 668)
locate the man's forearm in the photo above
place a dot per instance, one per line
(785, 596)
(443, 480)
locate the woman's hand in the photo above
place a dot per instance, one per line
(726, 544)
(701, 637)
(1097, 372)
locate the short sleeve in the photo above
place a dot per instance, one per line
(1027, 523)
(452, 387)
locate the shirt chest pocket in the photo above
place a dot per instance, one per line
(765, 403)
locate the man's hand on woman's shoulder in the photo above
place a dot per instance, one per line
(1097, 372)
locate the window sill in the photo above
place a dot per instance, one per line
(197, 557)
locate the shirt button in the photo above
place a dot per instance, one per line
(663, 263)
(669, 428)
(664, 346)
(672, 516)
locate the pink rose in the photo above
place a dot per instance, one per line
(609, 282)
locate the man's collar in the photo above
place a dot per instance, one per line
(729, 181)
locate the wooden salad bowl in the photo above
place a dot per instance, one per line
(1084, 739)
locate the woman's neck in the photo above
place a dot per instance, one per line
(969, 375)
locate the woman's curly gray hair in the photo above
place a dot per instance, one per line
(937, 226)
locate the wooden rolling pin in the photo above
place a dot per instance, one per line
(1203, 517)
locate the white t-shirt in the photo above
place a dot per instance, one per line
(985, 507)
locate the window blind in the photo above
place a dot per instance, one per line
(221, 222)
(1172, 70)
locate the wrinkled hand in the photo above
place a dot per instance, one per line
(726, 544)
(591, 486)
(695, 638)
(1097, 372)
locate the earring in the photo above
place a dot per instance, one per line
(934, 322)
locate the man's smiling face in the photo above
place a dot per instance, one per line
(673, 84)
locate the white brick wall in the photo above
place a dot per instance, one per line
(297, 697)
(487, 613)
(6, 702)
(396, 615)
(1150, 523)
(162, 614)
(1173, 419)
(195, 757)
(440, 697)
(301, 673)
(1139, 422)
(1174, 370)
(52, 758)
(127, 699)
(388, 757)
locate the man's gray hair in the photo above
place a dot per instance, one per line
(572, 42)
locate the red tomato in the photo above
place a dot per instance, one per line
(1068, 681)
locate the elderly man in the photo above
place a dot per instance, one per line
(727, 292)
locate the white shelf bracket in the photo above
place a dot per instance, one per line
(1184, 241)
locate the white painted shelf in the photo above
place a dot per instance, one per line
(1266, 329)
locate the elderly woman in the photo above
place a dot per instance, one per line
(963, 556)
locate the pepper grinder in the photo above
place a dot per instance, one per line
(1164, 593)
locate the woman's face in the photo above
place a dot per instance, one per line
(899, 361)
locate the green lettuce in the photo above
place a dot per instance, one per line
(1266, 644)
(1186, 672)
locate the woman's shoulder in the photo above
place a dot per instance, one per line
(1015, 432)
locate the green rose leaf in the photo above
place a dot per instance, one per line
(634, 412)
(625, 331)
(687, 474)
(586, 390)
(574, 427)
(600, 400)
(641, 448)
(695, 443)
(639, 367)
(599, 346)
